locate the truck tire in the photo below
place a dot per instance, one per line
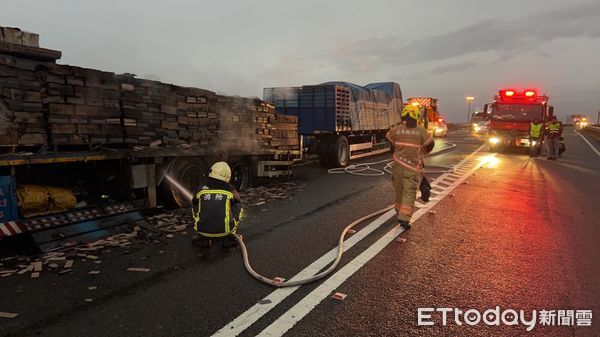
(339, 151)
(190, 173)
(323, 151)
(241, 175)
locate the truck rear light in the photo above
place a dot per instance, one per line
(529, 93)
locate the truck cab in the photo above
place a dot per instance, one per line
(510, 115)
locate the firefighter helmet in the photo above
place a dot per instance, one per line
(220, 171)
(411, 111)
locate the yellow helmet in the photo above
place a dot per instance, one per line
(412, 111)
(220, 171)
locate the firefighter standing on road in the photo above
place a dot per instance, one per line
(554, 131)
(410, 141)
(216, 208)
(535, 135)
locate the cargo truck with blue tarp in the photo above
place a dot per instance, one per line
(341, 120)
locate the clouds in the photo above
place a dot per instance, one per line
(508, 38)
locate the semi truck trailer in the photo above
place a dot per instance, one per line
(78, 145)
(341, 121)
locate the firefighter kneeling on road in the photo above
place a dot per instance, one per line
(217, 209)
(410, 143)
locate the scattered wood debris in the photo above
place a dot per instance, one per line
(258, 196)
(8, 315)
(142, 270)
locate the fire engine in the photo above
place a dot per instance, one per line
(510, 115)
(432, 120)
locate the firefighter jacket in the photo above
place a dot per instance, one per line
(409, 145)
(554, 129)
(216, 209)
(535, 130)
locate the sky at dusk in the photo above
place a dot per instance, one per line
(443, 49)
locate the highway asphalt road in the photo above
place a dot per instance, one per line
(518, 233)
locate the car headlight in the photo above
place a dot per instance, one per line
(494, 140)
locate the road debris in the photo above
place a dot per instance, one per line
(339, 296)
(92, 288)
(136, 269)
(258, 196)
(401, 240)
(8, 315)
(35, 274)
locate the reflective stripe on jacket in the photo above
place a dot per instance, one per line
(214, 214)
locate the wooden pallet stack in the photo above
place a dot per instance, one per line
(198, 120)
(244, 124)
(285, 132)
(21, 106)
(44, 103)
(83, 105)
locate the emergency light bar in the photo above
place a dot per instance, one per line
(513, 93)
(507, 93)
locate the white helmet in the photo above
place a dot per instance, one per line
(220, 171)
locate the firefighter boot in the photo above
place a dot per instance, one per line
(405, 224)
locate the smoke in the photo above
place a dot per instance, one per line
(237, 129)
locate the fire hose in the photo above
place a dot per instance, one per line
(291, 283)
(356, 169)
(365, 169)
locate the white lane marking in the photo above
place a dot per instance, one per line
(247, 318)
(254, 313)
(588, 142)
(308, 303)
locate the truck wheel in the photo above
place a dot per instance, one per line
(241, 175)
(339, 151)
(323, 151)
(189, 173)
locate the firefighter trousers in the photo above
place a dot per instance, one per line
(406, 182)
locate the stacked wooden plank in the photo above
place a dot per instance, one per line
(42, 102)
(83, 105)
(244, 124)
(285, 132)
(21, 106)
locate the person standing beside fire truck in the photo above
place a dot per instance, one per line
(554, 131)
(535, 138)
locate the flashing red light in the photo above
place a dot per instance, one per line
(440, 120)
(529, 93)
(509, 93)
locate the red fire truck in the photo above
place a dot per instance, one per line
(511, 113)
